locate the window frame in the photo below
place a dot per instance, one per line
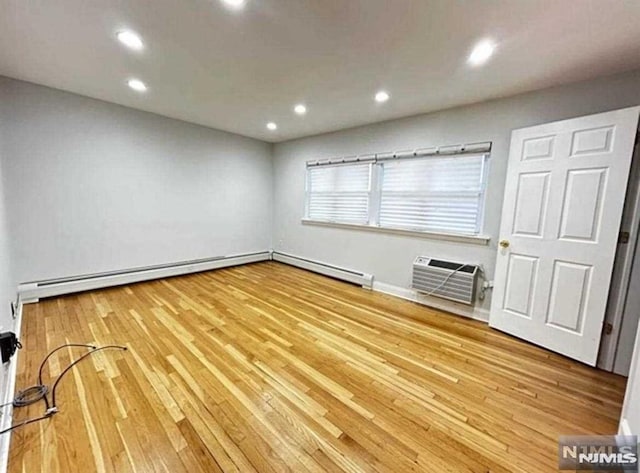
(376, 179)
(307, 192)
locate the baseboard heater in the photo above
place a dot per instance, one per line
(32, 291)
(446, 279)
(344, 274)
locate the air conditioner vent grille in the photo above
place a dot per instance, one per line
(445, 279)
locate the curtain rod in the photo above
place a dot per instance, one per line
(471, 148)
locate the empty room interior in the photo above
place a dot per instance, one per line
(319, 235)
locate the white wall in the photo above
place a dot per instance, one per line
(630, 417)
(7, 282)
(94, 187)
(388, 257)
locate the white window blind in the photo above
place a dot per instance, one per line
(430, 192)
(436, 194)
(339, 193)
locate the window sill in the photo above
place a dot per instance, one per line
(474, 239)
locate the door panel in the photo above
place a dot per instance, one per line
(569, 287)
(562, 208)
(580, 218)
(521, 280)
(531, 204)
(538, 148)
(594, 141)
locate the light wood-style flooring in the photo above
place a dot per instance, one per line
(270, 368)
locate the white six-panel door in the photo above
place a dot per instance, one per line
(563, 203)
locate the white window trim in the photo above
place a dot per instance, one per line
(457, 237)
(307, 194)
(375, 184)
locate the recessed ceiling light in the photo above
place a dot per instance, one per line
(234, 3)
(130, 39)
(300, 109)
(481, 52)
(272, 126)
(137, 85)
(382, 96)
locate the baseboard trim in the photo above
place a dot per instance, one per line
(625, 428)
(472, 312)
(344, 274)
(33, 291)
(9, 374)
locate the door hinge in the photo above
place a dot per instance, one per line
(608, 328)
(623, 238)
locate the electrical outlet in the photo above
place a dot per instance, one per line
(487, 284)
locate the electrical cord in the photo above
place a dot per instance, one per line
(66, 345)
(446, 280)
(31, 395)
(26, 422)
(60, 376)
(46, 358)
(40, 391)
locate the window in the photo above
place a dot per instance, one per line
(439, 194)
(339, 193)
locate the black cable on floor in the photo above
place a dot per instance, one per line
(59, 378)
(31, 395)
(46, 358)
(26, 422)
(40, 391)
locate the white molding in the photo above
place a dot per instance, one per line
(350, 275)
(473, 239)
(473, 312)
(481, 147)
(624, 428)
(8, 388)
(31, 292)
(623, 266)
(366, 280)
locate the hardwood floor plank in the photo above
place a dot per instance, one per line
(268, 368)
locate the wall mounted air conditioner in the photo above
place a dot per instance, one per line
(445, 279)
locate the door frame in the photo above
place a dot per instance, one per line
(623, 264)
